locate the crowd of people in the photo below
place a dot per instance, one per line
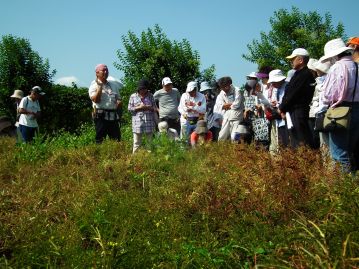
(273, 109)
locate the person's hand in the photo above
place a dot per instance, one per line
(227, 106)
(257, 88)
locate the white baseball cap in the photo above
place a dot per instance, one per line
(276, 75)
(191, 86)
(298, 52)
(166, 81)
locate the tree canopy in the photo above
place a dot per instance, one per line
(290, 30)
(153, 56)
(20, 66)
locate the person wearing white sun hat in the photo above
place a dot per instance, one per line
(279, 131)
(339, 87)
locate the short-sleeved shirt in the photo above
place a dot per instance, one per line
(168, 103)
(109, 97)
(30, 105)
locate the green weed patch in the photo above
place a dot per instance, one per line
(66, 202)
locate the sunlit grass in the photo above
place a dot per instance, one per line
(67, 202)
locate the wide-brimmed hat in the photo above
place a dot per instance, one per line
(333, 48)
(322, 66)
(276, 75)
(205, 86)
(19, 94)
(38, 90)
(191, 86)
(298, 52)
(166, 81)
(252, 75)
(311, 64)
(201, 127)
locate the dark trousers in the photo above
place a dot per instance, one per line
(107, 127)
(173, 123)
(315, 134)
(215, 132)
(300, 134)
(27, 133)
(283, 136)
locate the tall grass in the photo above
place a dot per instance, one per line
(67, 202)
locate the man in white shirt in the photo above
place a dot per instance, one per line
(29, 109)
(192, 108)
(229, 104)
(105, 96)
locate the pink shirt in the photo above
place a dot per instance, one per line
(339, 83)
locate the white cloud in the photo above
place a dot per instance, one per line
(67, 81)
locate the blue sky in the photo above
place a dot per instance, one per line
(78, 34)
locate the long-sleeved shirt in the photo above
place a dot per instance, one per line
(339, 83)
(192, 106)
(299, 92)
(235, 97)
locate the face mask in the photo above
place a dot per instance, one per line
(251, 83)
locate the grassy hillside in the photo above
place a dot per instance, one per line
(72, 204)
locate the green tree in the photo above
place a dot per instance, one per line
(20, 66)
(153, 56)
(292, 30)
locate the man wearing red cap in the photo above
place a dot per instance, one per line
(106, 100)
(354, 44)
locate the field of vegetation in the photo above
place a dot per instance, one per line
(68, 203)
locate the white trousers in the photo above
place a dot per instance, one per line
(227, 129)
(137, 140)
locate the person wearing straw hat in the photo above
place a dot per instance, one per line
(17, 96)
(297, 98)
(30, 111)
(340, 90)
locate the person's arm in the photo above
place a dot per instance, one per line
(182, 108)
(202, 105)
(22, 109)
(96, 93)
(238, 99)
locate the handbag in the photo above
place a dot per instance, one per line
(338, 118)
(272, 113)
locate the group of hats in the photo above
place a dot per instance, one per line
(19, 94)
